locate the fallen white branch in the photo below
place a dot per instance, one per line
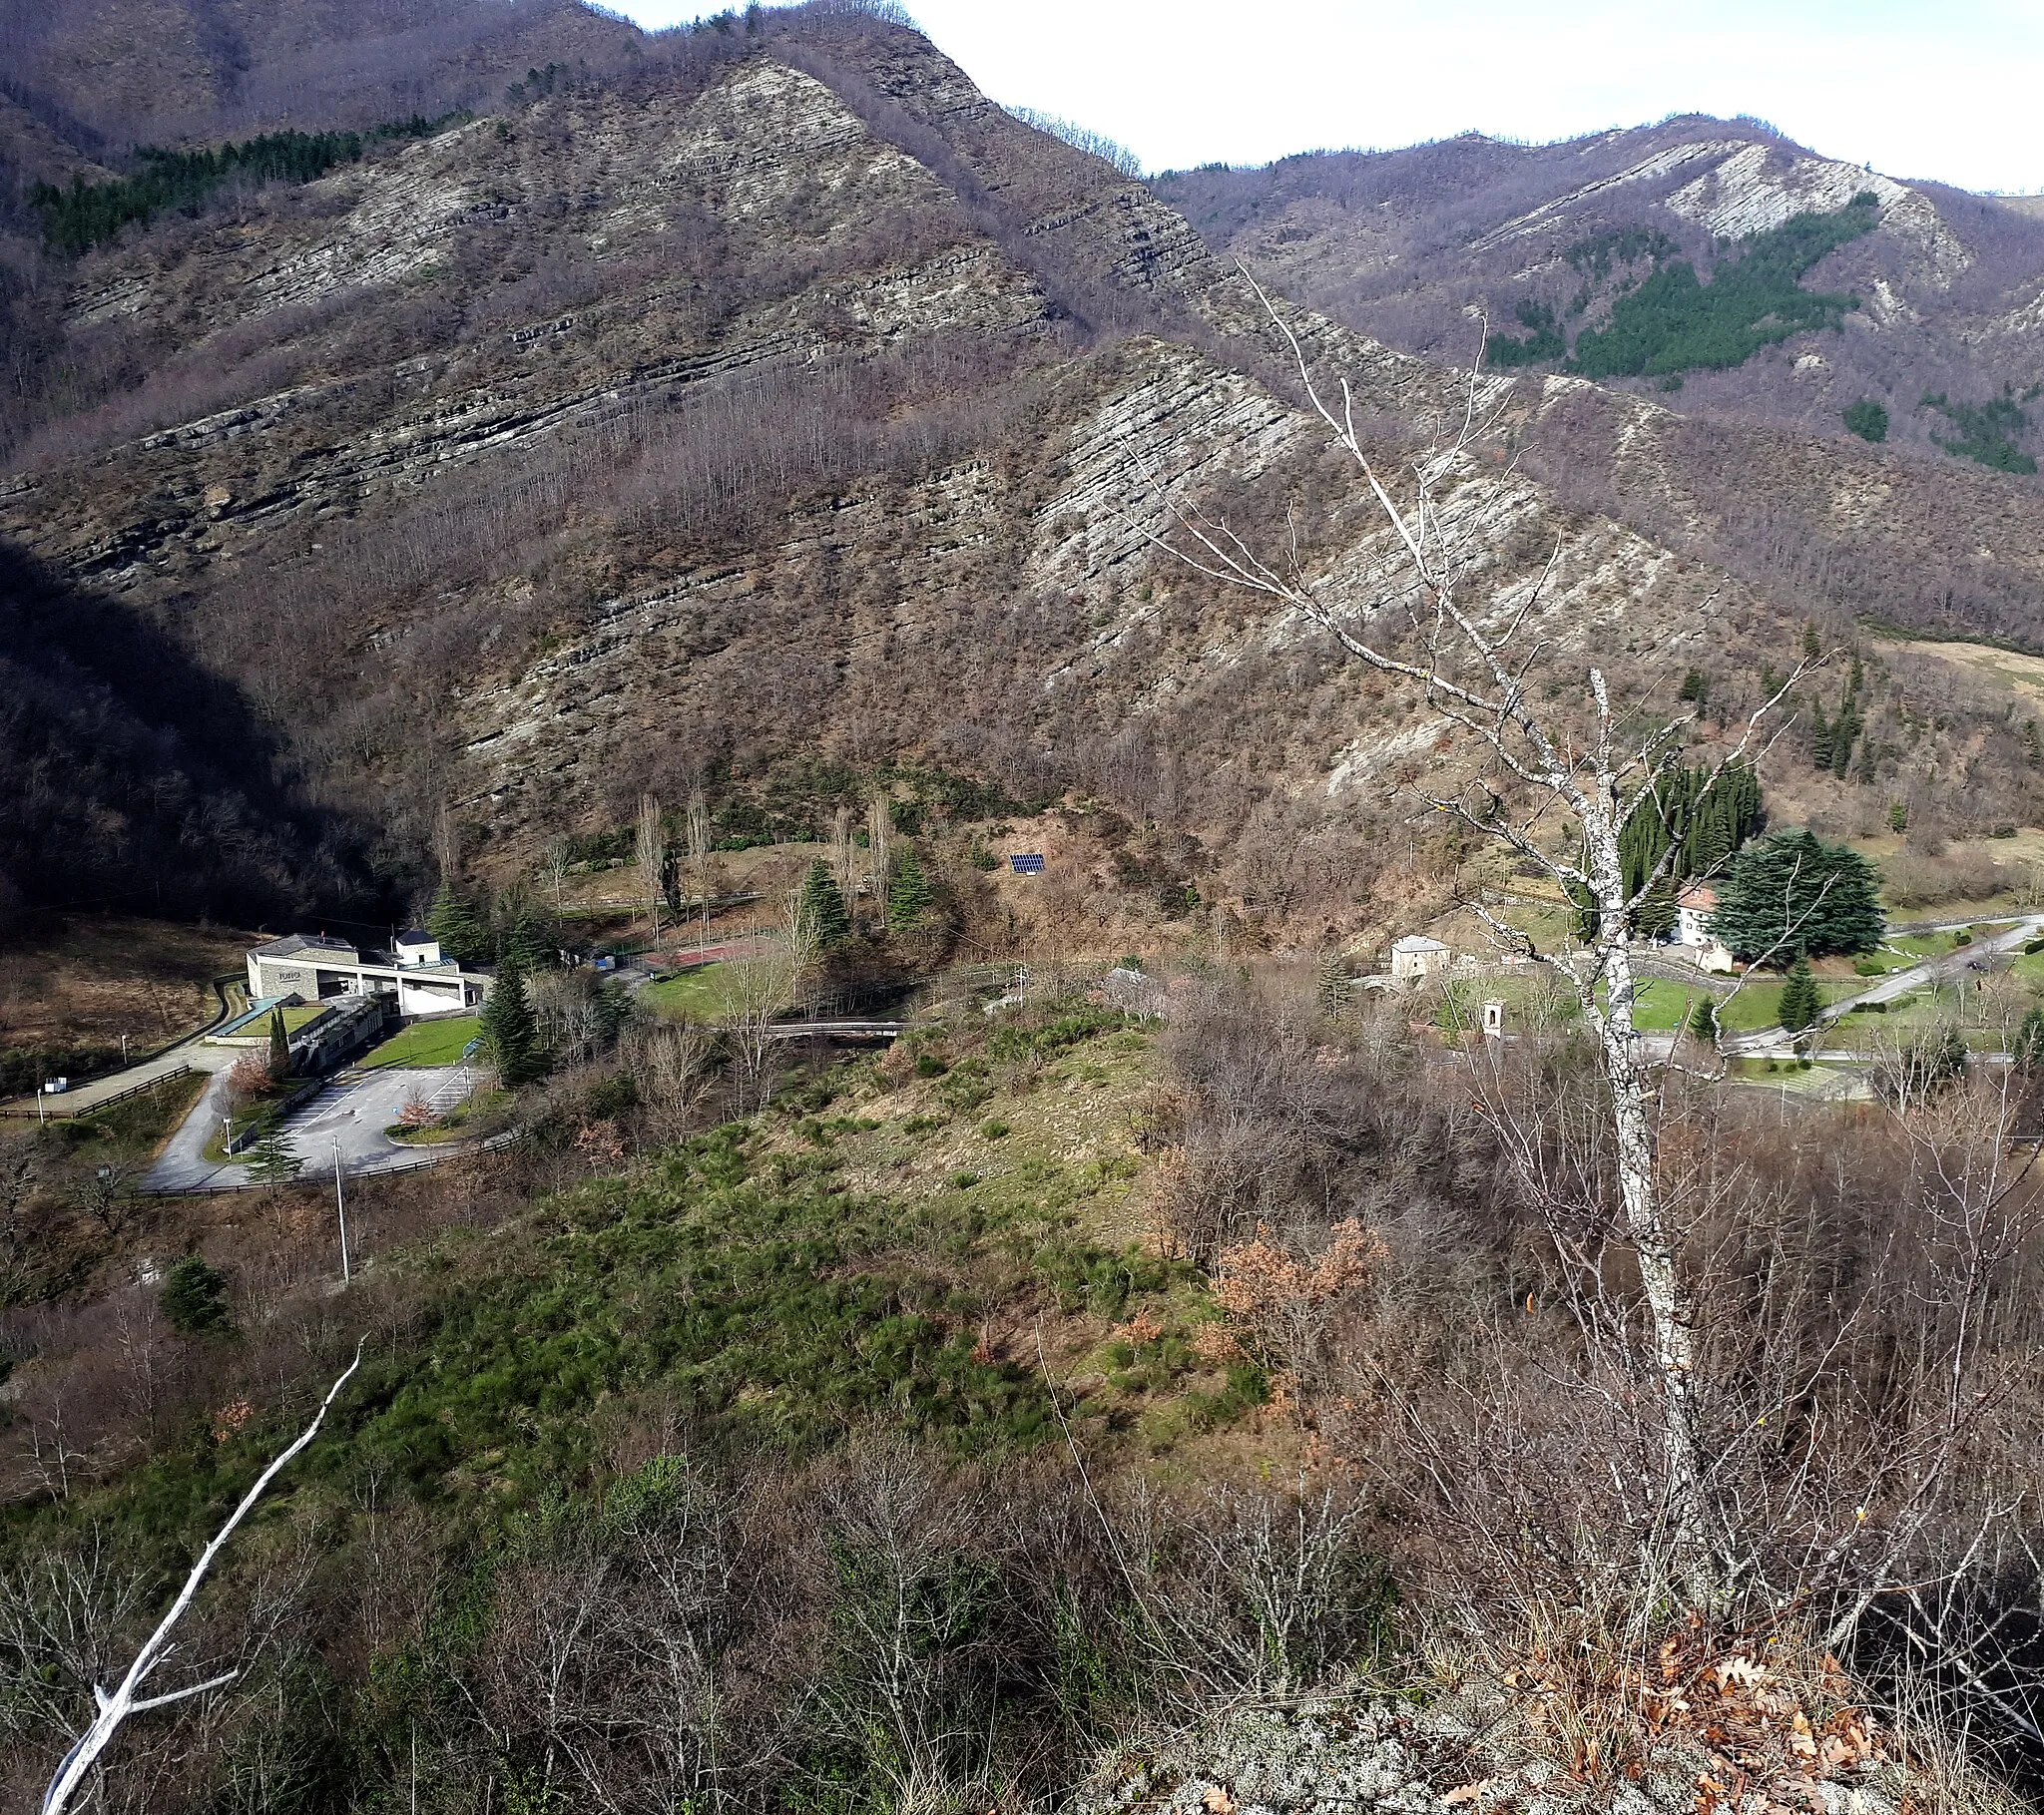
(114, 1708)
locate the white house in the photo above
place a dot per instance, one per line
(1416, 957)
(318, 968)
(1694, 907)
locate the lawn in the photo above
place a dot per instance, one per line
(427, 1042)
(1759, 1004)
(135, 1128)
(692, 996)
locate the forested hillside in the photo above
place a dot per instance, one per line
(945, 1277)
(772, 393)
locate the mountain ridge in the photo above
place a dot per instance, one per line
(781, 394)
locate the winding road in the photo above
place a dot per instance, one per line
(1772, 1041)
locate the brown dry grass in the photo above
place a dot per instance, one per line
(89, 981)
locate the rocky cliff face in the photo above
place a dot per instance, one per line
(778, 399)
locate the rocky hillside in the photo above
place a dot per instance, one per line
(773, 401)
(1578, 256)
(1405, 244)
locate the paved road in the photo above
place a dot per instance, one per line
(351, 1113)
(1897, 984)
(183, 1164)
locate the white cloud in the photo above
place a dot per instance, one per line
(1917, 90)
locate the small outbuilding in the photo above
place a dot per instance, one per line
(1416, 957)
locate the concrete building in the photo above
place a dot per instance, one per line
(316, 968)
(320, 1037)
(1416, 957)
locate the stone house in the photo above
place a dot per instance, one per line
(1416, 957)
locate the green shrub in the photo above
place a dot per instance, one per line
(194, 1298)
(1868, 419)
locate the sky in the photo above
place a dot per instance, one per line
(1925, 89)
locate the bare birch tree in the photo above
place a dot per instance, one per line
(1469, 661)
(879, 822)
(699, 852)
(652, 853)
(844, 859)
(554, 866)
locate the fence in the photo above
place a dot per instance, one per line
(56, 1108)
(314, 1174)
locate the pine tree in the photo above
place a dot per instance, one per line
(510, 1035)
(528, 935)
(1790, 892)
(823, 906)
(1801, 1001)
(1821, 736)
(1846, 730)
(456, 925)
(909, 898)
(270, 1159)
(194, 1298)
(1703, 1020)
(280, 1045)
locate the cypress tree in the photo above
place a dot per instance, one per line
(510, 1035)
(823, 904)
(1801, 1001)
(909, 899)
(280, 1045)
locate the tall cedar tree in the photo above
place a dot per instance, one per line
(280, 1045)
(1791, 893)
(510, 1035)
(823, 904)
(909, 899)
(1801, 1001)
(457, 926)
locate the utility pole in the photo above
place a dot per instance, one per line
(341, 1211)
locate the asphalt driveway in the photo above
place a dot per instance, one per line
(351, 1115)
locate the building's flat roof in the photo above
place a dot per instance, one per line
(291, 944)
